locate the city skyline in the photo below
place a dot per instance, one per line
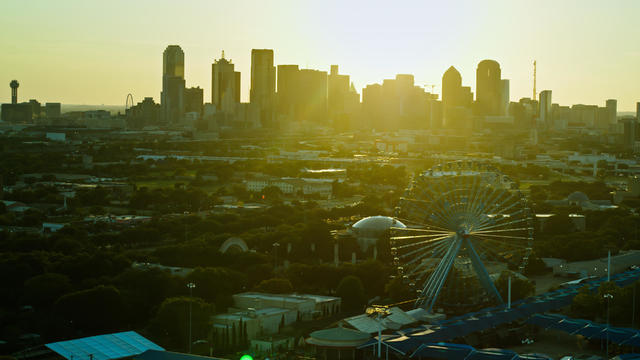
(370, 45)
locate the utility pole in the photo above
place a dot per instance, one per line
(190, 286)
(608, 297)
(509, 293)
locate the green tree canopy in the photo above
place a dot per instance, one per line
(275, 286)
(352, 293)
(171, 323)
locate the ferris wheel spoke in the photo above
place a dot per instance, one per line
(420, 230)
(506, 244)
(499, 230)
(517, 221)
(503, 236)
(422, 242)
(410, 237)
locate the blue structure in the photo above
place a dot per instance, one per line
(406, 342)
(104, 347)
(588, 329)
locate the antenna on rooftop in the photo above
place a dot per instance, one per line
(534, 80)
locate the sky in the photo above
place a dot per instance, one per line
(96, 52)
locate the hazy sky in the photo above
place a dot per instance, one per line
(95, 52)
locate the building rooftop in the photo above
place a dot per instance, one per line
(104, 347)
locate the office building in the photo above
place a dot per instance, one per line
(612, 110)
(193, 100)
(144, 113)
(173, 85)
(288, 91)
(488, 88)
(225, 85)
(313, 96)
(456, 100)
(504, 97)
(52, 110)
(263, 84)
(451, 88)
(630, 126)
(545, 118)
(338, 91)
(372, 106)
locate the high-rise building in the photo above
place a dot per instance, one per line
(145, 113)
(193, 100)
(451, 88)
(456, 100)
(338, 92)
(263, 84)
(372, 107)
(313, 96)
(488, 87)
(173, 84)
(629, 132)
(544, 114)
(225, 85)
(504, 97)
(288, 91)
(612, 109)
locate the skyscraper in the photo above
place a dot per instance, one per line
(372, 107)
(288, 91)
(172, 96)
(263, 84)
(225, 85)
(612, 109)
(504, 97)
(193, 100)
(488, 87)
(451, 88)
(313, 96)
(545, 118)
(338, 91)
(456, 100)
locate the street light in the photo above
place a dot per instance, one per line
(190, 286)
(379, 312)
(608, 297)
(276, 245)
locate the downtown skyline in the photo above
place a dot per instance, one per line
(367, 52)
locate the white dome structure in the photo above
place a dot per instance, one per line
(370, 229)
(234, 245)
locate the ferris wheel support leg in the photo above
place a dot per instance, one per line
(483, 275)
(440, 275)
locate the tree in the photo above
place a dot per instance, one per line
(144, 290)
(97, 310)
(275, 286)
(171, 323)
(520, 288)
(397, 290)
(351, 291)
(43, 290)
(217, 284)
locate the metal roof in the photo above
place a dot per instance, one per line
(103, 347)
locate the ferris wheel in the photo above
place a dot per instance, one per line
(462, 215)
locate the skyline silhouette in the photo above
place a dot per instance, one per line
(583, 49)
